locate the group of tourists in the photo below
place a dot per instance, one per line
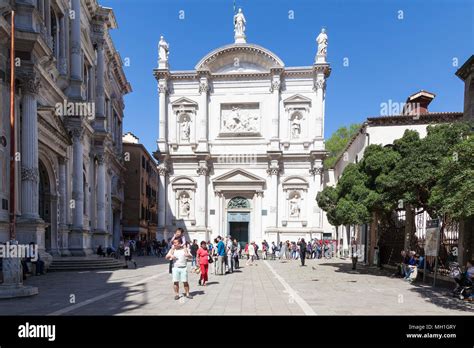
(315, 249)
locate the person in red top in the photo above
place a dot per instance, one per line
(203, 261)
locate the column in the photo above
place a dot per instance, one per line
(78, 179)
(203, 115)
(101, 192)
(320, 88)
(162, 135)
(30, 84)
(163, 172)
(317, 172)
(273, 171)
(100, 97)
(62, 192)
(218, 216)
(257, 232)
(62, 47)
(275, 90)
(76, 41)
(63, 204)
(201, 200)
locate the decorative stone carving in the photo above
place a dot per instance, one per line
(316, 171)
(101, 158)
(29, 174)
(77, 134)
(319, 84)
(244, 118)
(203, 169)
(163, 169)
(239, 203)
(274, 168)
(203, 87)
(275, 86)
(162, 87)
(30, 82)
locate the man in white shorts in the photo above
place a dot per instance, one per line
(179, 255)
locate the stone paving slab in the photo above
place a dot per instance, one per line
(323, 287)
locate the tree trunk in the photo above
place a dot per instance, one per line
(409, 227)
(466, 240)
(372, 238)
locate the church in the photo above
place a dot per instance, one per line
(241, 143)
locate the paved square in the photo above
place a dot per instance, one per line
(323, 287)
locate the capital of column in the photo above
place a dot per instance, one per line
(273, 168)
(29, 174)
(203, 169)
(98, 34)
(77, 134)
(203, 86)
(30, 81)
(259, 193)
(101, 158)
(163, 87)
(275, 86)
(163, 169)
(319, 84)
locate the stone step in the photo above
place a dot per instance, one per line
(90, 263)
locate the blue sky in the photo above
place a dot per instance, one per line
(389, 58)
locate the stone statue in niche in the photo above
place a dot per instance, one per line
(184, 205)
(295, 206)
(185, 129)
(296, 127)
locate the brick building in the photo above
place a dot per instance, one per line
(141, 188)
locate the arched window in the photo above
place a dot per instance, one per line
(239, 203)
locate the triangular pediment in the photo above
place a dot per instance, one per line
(297, 99)
(239, 176)
(184, 101)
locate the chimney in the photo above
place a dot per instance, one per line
(417, 104)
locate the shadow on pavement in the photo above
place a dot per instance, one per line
(439, 295)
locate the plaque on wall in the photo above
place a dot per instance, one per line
(240, 120)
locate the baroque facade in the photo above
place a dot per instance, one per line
(69, 109)
(241, 143)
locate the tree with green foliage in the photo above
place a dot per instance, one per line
(337, 142)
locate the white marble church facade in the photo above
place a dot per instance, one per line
(241, 143)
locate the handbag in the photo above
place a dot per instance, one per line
(210, 260)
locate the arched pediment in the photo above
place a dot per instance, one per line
(295, 183)
(183, 183)
(240, 58)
